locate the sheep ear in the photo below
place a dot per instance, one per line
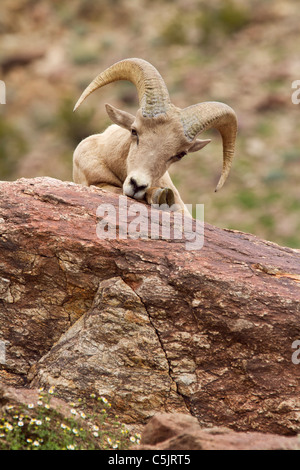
(198, 144)
(122, 118)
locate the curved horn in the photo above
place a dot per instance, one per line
(211, 114)
(152, 91)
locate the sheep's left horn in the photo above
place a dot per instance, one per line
(200, 117)
(152, 91)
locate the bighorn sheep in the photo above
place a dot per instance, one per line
(133, 155)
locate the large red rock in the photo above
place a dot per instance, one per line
(181, 432)
(147, 323)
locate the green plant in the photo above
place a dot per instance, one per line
(227, 17)
(38, 426)
(12, 146)
(73, 127)
(248, 199)
(174, 32)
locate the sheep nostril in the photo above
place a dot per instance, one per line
(133, 183)
(137, 187)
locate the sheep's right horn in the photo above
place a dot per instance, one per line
(211, 114)
(152, 91)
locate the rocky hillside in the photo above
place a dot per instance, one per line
(146, 323)
(243, 53)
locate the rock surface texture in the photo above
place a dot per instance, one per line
(182, 432)
(152, 326)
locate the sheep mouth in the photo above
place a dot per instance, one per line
(134, 190)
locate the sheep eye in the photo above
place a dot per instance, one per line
(135, 134)
(180, 155)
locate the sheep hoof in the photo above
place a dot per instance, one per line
(163, 196)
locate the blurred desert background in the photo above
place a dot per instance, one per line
(244, 53)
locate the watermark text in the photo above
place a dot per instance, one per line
(2, 92)
(135, 221)
(2, 353)
(296, 354)
(296, 94)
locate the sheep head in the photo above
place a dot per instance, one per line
(161, 133)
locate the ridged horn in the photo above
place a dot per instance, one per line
(152, 91)
(211, 114)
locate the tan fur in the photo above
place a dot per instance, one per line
(133, 155)
(101, 158)
(108, 160)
